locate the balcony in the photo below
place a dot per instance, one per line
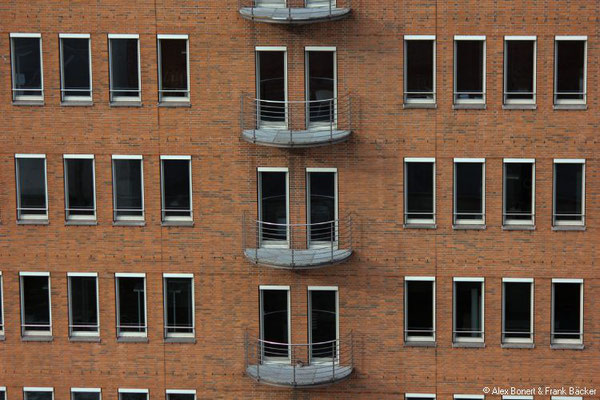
(299, 365)
(290, 124)
(297, 246)
(294, 12)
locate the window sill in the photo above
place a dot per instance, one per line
(92, 339)
(129, 223)
(125, 104)
(476, 227)
(177, 223)
(469, 106)
(568, 228)
(471, 345)
(416, 343)
(28, 102)
(73, 103)
(571, 107)
(519, 106)
(420, 226)
(175, 104)
(518, 227)
(81, 222)
(40, 338)
(567, 346)
(518, 345)
(420, 105)
(180, 339)
(33, 222)
(132, 339)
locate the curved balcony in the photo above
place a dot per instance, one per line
(294, 12)
(297, 246)
(299, 365)
(296, 123)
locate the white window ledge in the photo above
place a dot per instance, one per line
(41, 221)
(94, 338)
(132, 339)
(568, 228)
(37, 338)
(567, 346)
(129, 223)
(420, 343)
(420, 105)
(518, 227)
(519, 106)
(571, 107)
(518, 345)
(180, 339)
(476, 227)
(474, 345)
(469, 106)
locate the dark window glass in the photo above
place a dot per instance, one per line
(323, 323)
(517, 310)
(132, 305)
(419, 69)
(275, 322)
(36, 303)
(128, 188)
(27, 67)
(124, 68)
(419, 190)
(38, 395)
(2, 395)
(85, 396)
(179, 305)
(468, 318)
(321, 86)
(173, 68)
(570, 66)
(567, 311)
(80, 187)
(176, 188)
(1, 310)
(519, 69)
(271, 85)
(518, 191)
(32, 186)
(568, 192)
(469, 191)
(180, 396)
(469, 69)
(84, 306)
(133, 396)
(273, 206)
(419, 308)
(322, 206)
(76, 67)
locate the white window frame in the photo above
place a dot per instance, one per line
(517, 397)
(578, 341)
(408, 396)
(125, 99)
(433, 100)
(136, 391)
(21, 217)
(116, 217)
(533, 99)
(531, 283)
(2, 323)
(556, 222)
(456, 220)
(583, 39)
(118, 309)
(331, 49)
(275, 360)
(87, 390)
(407, 337)
(3, 391)
(64, 97)
(420, 221)
(162, 98)
(28, 389)
(472, 38)
(469, 397)
(71, 326)
(456, 339)
(506, 221)
(16, 98)
(337, 322)
(270, 3)
(164, 210)
(271, 243)
(24, 331)
(68, 216)
(271, 124)
(178, 334)
(179, 391)
(321, 243)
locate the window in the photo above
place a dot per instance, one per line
(181, 394)
(128, 188)
(83, 304)
(80, 187)
(2, 393)
(75, 67)
(270, 3)
(273, 206)
(275, 322)
(176, 177)
(323, 322)
(469, 397)
(321, 85)
(1, 308)
(419, 69)
(36, 314)
(567, 311)
(419, 396)
(419, 191)
(32, 195)
(86, 394)
(131, 304)
(271, 86)
(38, 393)
(124, 54)
(519, 69)
(468, 310)
(179, 305)
(569, 192)
(173, 68)
(570, 69)
(322, 210)
(469, 191)
(133, 394)
(517, 310)
(419, 309)
(469, 69)
(27, 75)
(519, 191)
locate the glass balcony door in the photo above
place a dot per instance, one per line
(270, 3)
(271, 87)
(322, 207)
(323, 324)
(321, 87)
(273, 208)
(275, 323)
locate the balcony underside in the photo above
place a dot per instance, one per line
(274, 15)
(301, 376)
(297, 259)
(304, 138)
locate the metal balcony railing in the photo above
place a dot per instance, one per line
(296, 123)
(299, 365)
(294, 11)
(297, 246)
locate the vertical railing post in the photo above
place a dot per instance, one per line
(257, 227)
(331, 118)
(333, 360)
(332, 227)
(293, 367)
(291, 228)
(289, 122)
(258, 358)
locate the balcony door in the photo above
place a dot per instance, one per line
(270, 3)
(321, 86)
(322, 207)
(323, 323)
(271, 86)
(320, 3)
(275, 323)
(273, 207)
